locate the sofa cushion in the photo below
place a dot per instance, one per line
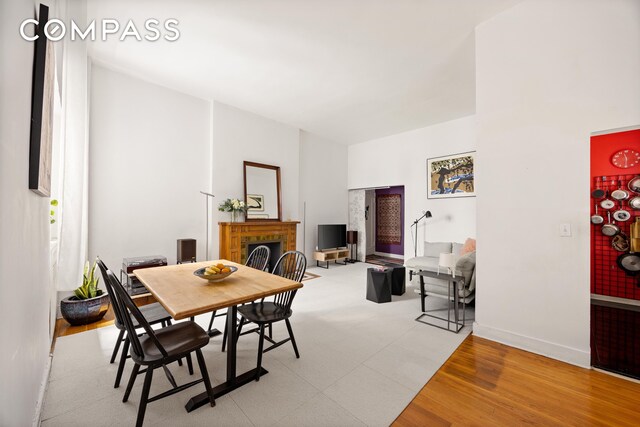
(422, 263)
(466, 264)
(434, 249)
(442, 291)
(472, 283)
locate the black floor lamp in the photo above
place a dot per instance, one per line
(352, 239)
(425, 214)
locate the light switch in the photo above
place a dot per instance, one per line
(565, 230)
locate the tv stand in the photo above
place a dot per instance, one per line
(331, 255)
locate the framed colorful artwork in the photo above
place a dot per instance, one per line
(451, 176)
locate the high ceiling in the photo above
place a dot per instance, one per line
(349, 70)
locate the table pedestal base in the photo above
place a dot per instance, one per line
(213, 332)
(224, 388)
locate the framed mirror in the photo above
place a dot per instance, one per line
(262, 192)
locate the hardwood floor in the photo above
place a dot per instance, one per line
(487, 383)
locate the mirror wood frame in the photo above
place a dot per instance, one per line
(262, 165)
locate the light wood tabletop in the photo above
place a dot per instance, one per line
(184, 295)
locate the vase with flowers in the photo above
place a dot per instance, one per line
(235, 207)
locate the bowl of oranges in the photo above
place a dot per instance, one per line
(216, 272)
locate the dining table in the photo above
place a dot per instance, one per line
(184, 295)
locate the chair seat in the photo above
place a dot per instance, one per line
(154, 313)
(264, 312)
(178, 340)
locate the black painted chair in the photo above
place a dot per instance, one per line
(258, 259)
(291, 265)
(153, 313)
(158, 348)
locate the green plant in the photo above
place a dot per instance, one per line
(89, 288)
(52, 213)
(232, 205)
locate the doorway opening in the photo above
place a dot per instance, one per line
(384, 225)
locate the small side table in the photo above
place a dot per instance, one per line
(455, 284)
(379, 285)
(398, 280)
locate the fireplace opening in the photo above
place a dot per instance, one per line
(276, 251)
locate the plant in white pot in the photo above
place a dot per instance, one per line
(235, 206)
(88, 304)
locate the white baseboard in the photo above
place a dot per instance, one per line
(43, 389)
(534, 345)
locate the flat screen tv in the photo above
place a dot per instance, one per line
(332, 236)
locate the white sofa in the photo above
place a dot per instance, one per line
(465, 267)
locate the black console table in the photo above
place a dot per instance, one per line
(455, 284)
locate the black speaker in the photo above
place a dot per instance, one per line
(186, 250)
(352, 239)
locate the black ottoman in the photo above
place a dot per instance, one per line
(397, 280)
(379, 285)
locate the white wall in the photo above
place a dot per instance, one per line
(323, 186)
(149, 160)
(24, 229)
(152, 151)
(548, 73)
(402, 160)
(238, 136)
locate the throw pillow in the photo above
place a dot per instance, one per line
(469, 246)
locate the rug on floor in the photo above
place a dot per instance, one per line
(384, 261)
(360, 363)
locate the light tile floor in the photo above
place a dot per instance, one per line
(361, 364)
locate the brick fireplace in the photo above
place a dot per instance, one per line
(237, 239)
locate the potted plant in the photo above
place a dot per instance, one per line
(88, 304)
(234, 206)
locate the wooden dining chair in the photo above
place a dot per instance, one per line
(158, 348)
(258, 259)
(153, 313)
(291, 265)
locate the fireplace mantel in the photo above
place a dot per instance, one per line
(235, 237)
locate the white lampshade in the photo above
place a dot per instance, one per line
(448, 261)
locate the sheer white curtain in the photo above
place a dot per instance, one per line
(73, 175)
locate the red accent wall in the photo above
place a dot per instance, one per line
(603, 147)
(606, 277)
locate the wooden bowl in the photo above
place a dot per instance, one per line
(215, 277)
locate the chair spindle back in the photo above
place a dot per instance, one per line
(259, 258)
(128, 306)
(291, 265)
